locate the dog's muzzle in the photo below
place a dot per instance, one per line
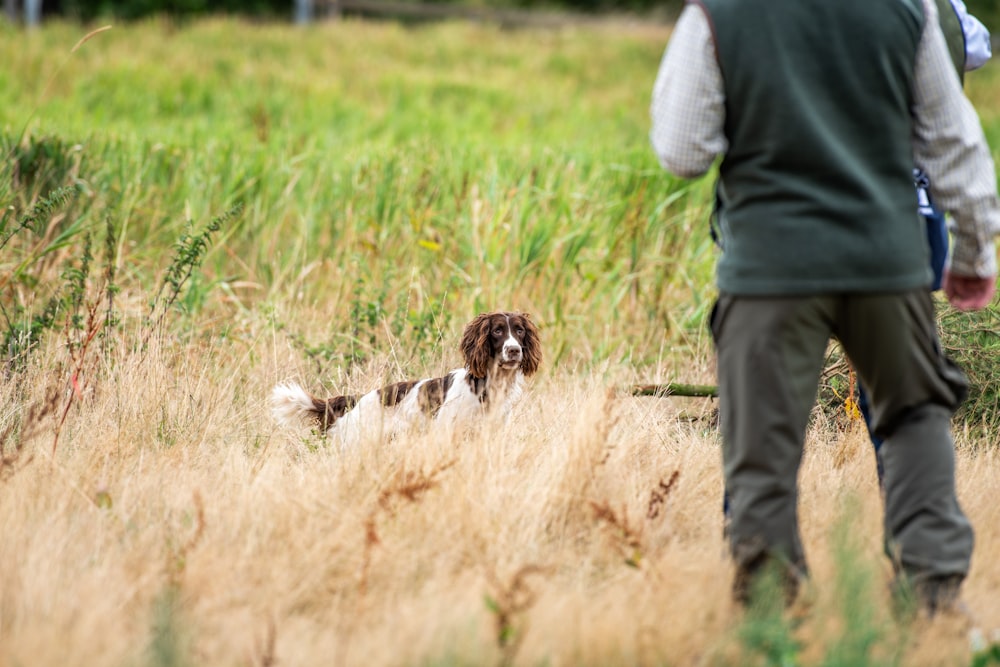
(512, 354)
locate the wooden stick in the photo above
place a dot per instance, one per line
(675, 389)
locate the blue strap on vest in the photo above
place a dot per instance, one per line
(713, 217)
(937, 226)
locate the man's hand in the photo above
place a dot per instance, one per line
(968, 293)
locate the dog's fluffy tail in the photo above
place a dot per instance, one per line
(291, 404)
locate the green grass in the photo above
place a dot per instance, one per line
(442, 169)
(394, 177)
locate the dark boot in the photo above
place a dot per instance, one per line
(930, 594)
(758, 579)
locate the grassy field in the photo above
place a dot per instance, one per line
(195, 212)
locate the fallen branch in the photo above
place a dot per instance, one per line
(675, 389)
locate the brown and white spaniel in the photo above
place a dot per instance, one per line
(500, 350)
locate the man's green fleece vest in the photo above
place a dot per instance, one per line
(816, 186)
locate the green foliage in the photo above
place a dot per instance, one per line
(366, 315)
(972, 339)
(25, 321)
(988, 11)
(863, 635)
(24, 331)
(189, 252)
(35, 218)
(169, 644)
(767, 634)
(41, 164)
(133, 9)
(987, 657)
(443, 181)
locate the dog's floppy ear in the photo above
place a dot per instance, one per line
(532, 347)
(476, 346)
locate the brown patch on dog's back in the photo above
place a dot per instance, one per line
(393, 394)
(478, 388)
(431, 395)
(329, 410)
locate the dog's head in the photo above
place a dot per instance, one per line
(501, 340)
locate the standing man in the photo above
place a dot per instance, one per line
(819, 110)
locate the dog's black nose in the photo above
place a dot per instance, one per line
(512, 352)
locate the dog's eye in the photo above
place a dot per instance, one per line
(498, 331)
(520, 331)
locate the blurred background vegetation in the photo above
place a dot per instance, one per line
(90, 9)
(987, 10)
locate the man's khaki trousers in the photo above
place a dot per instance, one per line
(771, 352)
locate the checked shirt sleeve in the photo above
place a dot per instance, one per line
(949, 145)
(688, 108)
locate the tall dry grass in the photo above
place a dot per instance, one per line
(173, 525)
